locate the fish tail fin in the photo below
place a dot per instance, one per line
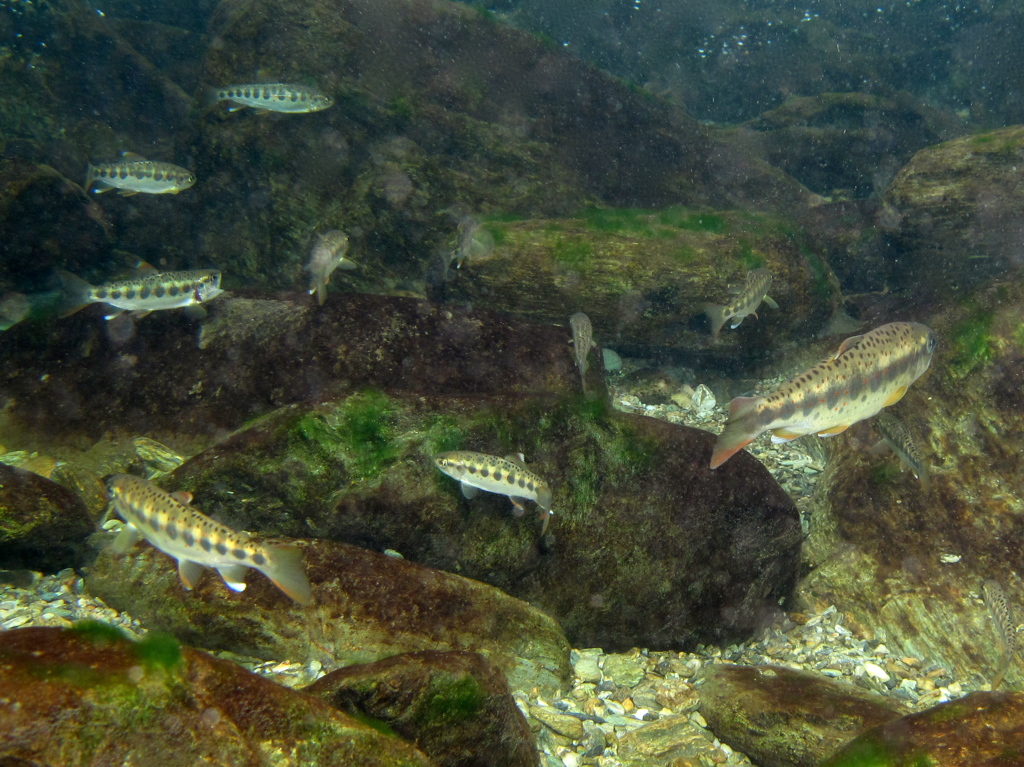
(716, 315)
(210, 97)
(741, 429)
(544, 501)
(74, 293)
(287, 573)
(88, 177)
(925, 478)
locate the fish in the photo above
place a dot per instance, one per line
(868, 372)
(504, 476)
(897, 437)
(14, 307)
(328, 254)
(474, 241)
(143, 294)
(135, 174)
(999, 609)
(170, 524)
(272, 97)
(748, 299)
(159, 459)
(582, 343)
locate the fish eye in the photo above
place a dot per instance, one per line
(933, 342)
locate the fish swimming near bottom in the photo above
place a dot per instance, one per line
(504, 476)
(149, 292)
(168, 522)
(897, 437)
(748, 299)
(999, 609)
(868, 373)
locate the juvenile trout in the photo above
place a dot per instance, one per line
(999, 609)
(272, 97)
(135, 174)
(196, 541)
(897, 437)
(160, 290)
(749, 298)
(868, 373)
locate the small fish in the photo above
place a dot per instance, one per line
(749, 297)
(135, 174)
(328, 254)
(474, 242)
(196, 541)
(582, 342)
(999, 609)
(504, 476)
(868, 373)
(142, 295)
(272, 97)
(897, 437)
(159, 459)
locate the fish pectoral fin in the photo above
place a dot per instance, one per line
(113, 315)
(834, 430)
(518, 505)
(138, 314)
(737, 322)
(848, 344)
(182, 496)
(101, 189)
(879, 447)
(234, 576)
(896, 396)
(125, 539)
(127, 192)
(189, 572)
(785, 435)
(771, 302)
(468, 491)
(195, 312)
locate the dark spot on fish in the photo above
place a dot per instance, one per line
(188, 538)
(497, 476)
(485, 472)
(159, 291)
(123, 173)
(154, 520)
(173, 290)
(295, 97)
(510, 478)
(471, 469)
(522, 482)
(221, 548)
(144, 293)
(129, 294)
(531, 486)
(172, 531)
(245, 93)
(115, 294)
(788, 410)
(101, 293)
(258, 559)
(205, 543)
(238, 553)
(103, 172)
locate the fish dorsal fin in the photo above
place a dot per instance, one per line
(144, 269)
(183, 497)
(848, 344)
(132, 157)
(517, 458)
(234, 576)
(189, 572)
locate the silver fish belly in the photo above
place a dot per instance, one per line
(168, 523)
(138, 175)
(273, 97)
(754, 291)
(504, 476)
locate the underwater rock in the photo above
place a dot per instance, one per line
(645, 278)
(366, 606)
(252, 356)
(780, 717)
(983, 729)
(647, 546)
(43, 526)
(87, 695)
(955, 212)
(906, 566)
(47, 222)
(668, 742)
(455, 706)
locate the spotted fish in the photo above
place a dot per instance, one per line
(999, 609)
(868, 373)
(504, 476)
(897, 437)
(196, 541)
(582, 342)
(272, 97)
(157, 290)
(135, 174)
(328, 254)
(750, 296)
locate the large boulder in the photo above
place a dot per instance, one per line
(85, 696)
(646, 546)
(366, 607)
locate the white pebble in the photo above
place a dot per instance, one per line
(876, 671)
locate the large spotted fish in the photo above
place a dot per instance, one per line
(144, 294)
(504, 476)
(196, 541)
(868, 373)
(748, 299)
(134, 174)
